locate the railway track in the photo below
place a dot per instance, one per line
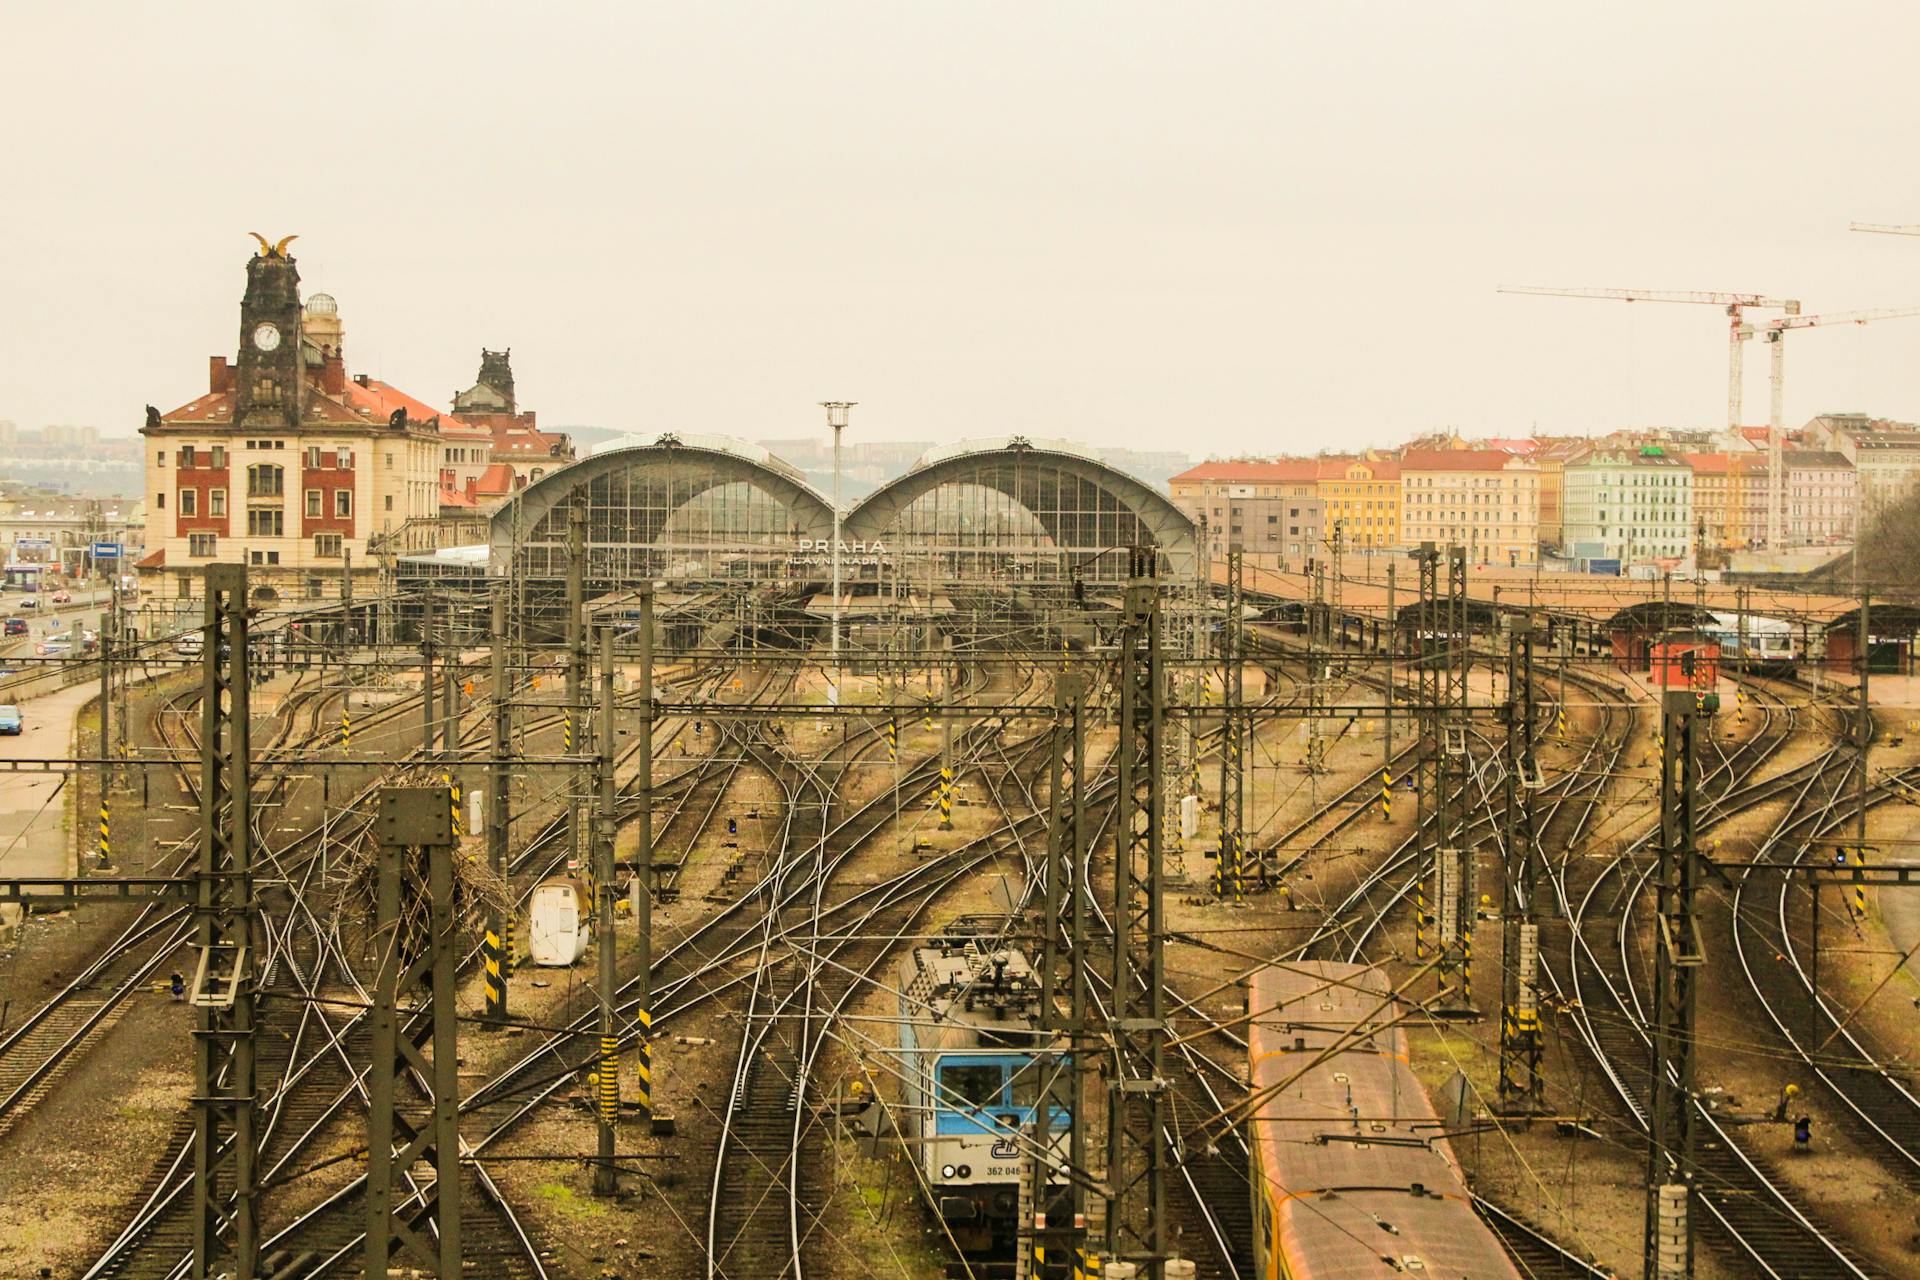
(1759, 1220)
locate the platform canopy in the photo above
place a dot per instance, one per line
(1019, 509)
(672, 507)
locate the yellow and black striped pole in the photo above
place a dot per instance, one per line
(1386, 793)
(609, 1079)
(893, 741)
(453, 789)
(1860, 890)
(643, 1062)
(566, 731)
(106, 830)
(1561, 719)
(946, 797)
(496, 985)
(346, 729)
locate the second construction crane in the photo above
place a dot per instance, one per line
(1736, 306)
(1773, 333)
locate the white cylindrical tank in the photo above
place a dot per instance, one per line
(559, 926)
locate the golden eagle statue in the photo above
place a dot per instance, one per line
(270, 250)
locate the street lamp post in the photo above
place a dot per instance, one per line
(837, 419)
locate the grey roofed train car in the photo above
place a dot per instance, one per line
(1352, 1176)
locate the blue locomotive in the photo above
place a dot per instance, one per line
(972, 1075)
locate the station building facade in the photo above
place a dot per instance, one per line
(293, 466)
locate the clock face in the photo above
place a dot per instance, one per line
(266, 337)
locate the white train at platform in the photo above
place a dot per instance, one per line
(1771, 646)
(970, 1080)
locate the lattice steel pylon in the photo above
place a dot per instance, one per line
(1312, 756)
(415, 941)
(1522, 1085)
(1182, 753)
(1456, 872)
(1138, 1154)
(497, 948)
(1068, 911)
(1678, 955)
(226, 1147)
(1426, 765)
(1229, 875)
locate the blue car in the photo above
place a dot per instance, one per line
(10, 720)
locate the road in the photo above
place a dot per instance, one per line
(47, 620)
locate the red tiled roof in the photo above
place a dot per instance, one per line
(451, 497)
(1336, 468)
(1708, 464)
(1256, 470)
(380, 399)
(1454, 460)
(496, 479)
(156, 560)
(324, 408)
(527, 440)
(216, 406)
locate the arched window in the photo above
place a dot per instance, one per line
(265, 480)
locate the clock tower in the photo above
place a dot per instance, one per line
(269, 383)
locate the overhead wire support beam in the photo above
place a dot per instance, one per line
(606, 1174)
(1067, 911)
(1229, 873)
(227, 934)
(1138, 1154)
(415, 1034)
(498, 945)
(1455, 868)
(1678, 955)
(1522, 1084)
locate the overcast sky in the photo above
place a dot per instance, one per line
(1216, 227)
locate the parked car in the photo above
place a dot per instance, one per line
(11, 720)
(63, 597)
(16, 626)
(30, 602)
(53, 648)
(190, 644)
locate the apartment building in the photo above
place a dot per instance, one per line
(1362, 500)
(1716, 509)
(1487, 500)
(1821, 498)
(1630, 504)
(1550, 456)
(1239, 500)
(1885, 456)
